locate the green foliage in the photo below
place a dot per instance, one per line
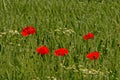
(59, 23)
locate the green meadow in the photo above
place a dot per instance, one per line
(60, 23)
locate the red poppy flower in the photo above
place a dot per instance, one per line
(88, 36)
(42, 50)
(61, 52)
(93, 55)
(28, 30)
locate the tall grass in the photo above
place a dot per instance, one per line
(59, 23)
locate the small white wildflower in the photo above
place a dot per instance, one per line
(101, 73)
(10, 43)
(3, 33)
(68, 31)
(38, 78)
(53, 78)
(10, 31)
(18, 44)
(0, 35)
(62, 65)
(90, 72)
(13, 31)
(16, 32)
(84, 70)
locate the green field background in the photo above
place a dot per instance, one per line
(60, 23)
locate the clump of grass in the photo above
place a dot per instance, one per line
(60, 23)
